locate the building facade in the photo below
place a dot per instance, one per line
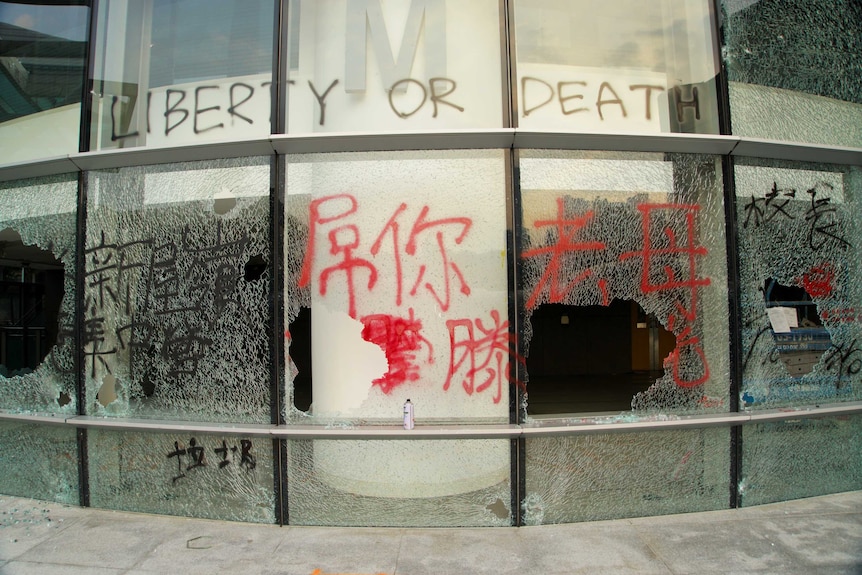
(609, 252)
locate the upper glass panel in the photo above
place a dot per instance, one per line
(181, 72)
(386, 65)
(621, 66)
(43, 51)
(396, 282)
(795, 69)
(624, 283)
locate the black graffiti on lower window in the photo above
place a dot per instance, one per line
(193, 456)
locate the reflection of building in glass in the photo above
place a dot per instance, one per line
(38, 71)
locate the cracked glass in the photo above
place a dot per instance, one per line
(416, 483)
(795, 69)
(177, 292)
(799, 260)
(798, 458)
(37, 295)
(623, 280)
(39, 461)
(211, 476)
(396, 290)
(611, 476)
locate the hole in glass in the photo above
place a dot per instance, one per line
(64, 399)
(31, 292)
(593, 359)
(300, 355)
(108, 391)
(224, 204)
(799, 335)
(255, 268)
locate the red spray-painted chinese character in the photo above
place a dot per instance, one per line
(343, 240)
(555, 276)
(663, 262)
(401, 340)
(449, 268)
(479, 355)
(819, 281)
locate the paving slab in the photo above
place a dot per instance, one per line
(817, 536)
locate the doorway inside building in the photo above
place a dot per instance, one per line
(592, 359)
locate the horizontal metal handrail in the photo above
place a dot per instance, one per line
(586, 425)
(502, 138)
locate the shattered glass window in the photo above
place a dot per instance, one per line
(799, 260)
(795, 69)
(39, 462)
(799, 458)
(624, 66)
(396, 289)
(176, 291)
(210, 476)
(37, 294)
(417, 483)
(623, 276)
(396, 277)
(611, 476)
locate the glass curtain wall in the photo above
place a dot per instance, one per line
(503, 287)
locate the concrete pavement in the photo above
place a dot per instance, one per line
(821, 535)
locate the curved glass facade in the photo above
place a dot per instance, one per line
(607, 255)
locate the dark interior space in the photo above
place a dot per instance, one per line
(300, 354)
(592, 359)
(31, 292)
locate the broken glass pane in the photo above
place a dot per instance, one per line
(799, 259)
(418, 483)
(621, 241)
(177, 291)
(399, 260)
(594, 477)
(793, 67)
(37, 294)
(800, 458)
(209, 476)
(39, 461)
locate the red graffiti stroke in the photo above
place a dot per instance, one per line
(339, 245)
(656, 263)
(420, 225)
(566, 229)
(314, 220)
(819, 281)
(686, 340)
(401, 340)
(481, 361)
(653, 257)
